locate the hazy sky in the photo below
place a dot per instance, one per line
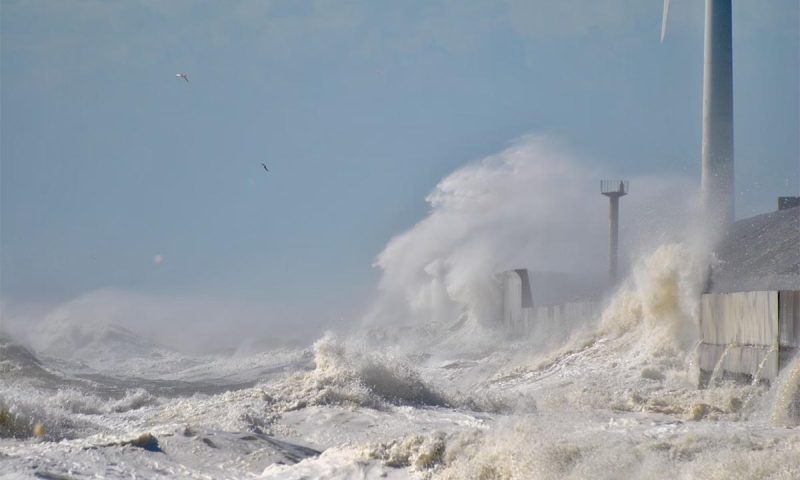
(358, 108)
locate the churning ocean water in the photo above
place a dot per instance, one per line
(616, 399)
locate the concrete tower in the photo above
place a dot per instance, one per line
(613, 189)
(717, 157)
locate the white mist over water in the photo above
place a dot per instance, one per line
(430, 388)
(189, 323)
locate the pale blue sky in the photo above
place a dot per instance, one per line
(358, 107)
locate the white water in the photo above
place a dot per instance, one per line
(429, 388)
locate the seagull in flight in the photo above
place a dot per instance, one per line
(265, 166)
(184, 76)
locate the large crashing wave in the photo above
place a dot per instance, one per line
(661, 297)
(521, 205)
(533, 205)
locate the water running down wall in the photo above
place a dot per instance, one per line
(749, 334)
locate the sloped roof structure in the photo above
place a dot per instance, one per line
(759, 253)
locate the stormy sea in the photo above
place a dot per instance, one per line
(429, 384)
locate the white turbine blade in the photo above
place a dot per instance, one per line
(664, 20)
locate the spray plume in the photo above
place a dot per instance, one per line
(533, 205)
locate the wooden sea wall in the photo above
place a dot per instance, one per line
(520, 317)
(744, 334)
(750, 334)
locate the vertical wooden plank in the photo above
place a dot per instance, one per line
(789, 318)
(512, 300)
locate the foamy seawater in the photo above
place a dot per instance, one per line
(595, 409)
(618, 399)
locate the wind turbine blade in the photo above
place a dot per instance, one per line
(664, 20)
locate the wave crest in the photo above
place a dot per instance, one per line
(344, 375)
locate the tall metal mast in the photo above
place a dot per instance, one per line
(613, 189)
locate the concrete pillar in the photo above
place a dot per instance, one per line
(717, 181)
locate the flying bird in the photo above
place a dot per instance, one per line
(265, 166)
(184, 76)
